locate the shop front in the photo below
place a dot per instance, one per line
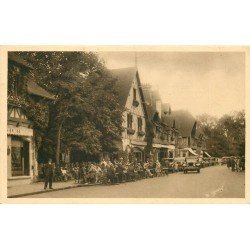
(21, 164)
(161, 151)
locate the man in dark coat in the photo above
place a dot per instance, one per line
(48, 173)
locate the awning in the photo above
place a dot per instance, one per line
(207, 154)
(138, 143)
(171, 147)
(157, 145)
(191, 151)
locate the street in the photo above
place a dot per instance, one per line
(212, 182)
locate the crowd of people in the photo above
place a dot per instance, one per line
(108, 172)
(117, 171)
(236, 164)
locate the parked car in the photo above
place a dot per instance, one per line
(192, 165)
(171, 168)
(180, 162)
(200, 162)
(212, 161)
(206, 162)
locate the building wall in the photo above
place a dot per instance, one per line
(25, 134)
(136, 112)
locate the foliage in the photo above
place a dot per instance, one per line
(85, 115)
(224, 136)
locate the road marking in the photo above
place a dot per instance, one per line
(213, 193)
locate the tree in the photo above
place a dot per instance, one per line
(86, 115)
(224, 136)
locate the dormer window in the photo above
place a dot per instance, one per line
(129, 121)
(139, 124)
(135, 102)
(134, 94)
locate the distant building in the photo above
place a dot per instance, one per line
(162, 128)
(191, 140)
(21, 154)
(134, 116)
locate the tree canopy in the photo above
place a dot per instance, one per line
(224, 136)
(86, 115)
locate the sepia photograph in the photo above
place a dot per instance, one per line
(126, 124)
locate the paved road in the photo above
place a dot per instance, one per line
(212, 182)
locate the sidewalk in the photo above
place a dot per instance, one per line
(37, 188)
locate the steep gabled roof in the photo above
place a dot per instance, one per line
(125, 77)
(166, 108)
(185, 121)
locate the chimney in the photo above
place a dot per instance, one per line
(158, 107)
(146, 89)
(158, 103)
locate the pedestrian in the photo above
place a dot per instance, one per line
(48, 173)
(80, 173)
(233, 163)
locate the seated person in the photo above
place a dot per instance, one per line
(111, 173)
(131, 173)
(119, 172)
(147, 170)
(158, 168)
(98, 172)
(91, 174)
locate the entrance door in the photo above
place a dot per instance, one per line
(20, 158)
(162, 154)
(137, 154)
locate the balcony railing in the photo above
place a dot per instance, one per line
(130, 131)
(141, 133)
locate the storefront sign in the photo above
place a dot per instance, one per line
(22, 131)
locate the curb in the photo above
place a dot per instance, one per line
(50, 190)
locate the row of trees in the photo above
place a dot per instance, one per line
(224, 136)
(84, 117)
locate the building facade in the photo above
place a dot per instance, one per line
(191, 141)
(134, 116)
(163, 131)
(21, 153)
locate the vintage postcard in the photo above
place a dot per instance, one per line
(124, 124)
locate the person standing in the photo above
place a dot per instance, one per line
(48, 173)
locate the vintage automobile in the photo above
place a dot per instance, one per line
(206, 162)
(180, 162)
(212, 161)
(193, 165)
(171, 167)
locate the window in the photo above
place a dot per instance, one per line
(14, 80)
(129, 121)
(139, 124)
(19, 158)
(134, 94)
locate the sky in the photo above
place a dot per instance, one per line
(200, 82)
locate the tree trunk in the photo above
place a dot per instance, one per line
(58, 144)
